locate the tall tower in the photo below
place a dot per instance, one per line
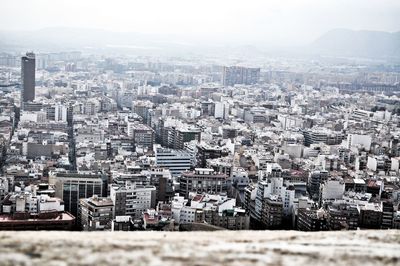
(28, 77)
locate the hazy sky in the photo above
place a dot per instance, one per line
(275, 21)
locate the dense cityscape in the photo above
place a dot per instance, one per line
(102, 142)
(200, 133)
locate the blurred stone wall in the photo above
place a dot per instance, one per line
(201, 248)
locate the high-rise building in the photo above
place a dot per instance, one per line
(272, 212)
(162, 179)
(240, 75)
(177, 161)
(322, 135)
(315, 179)
(143, 135)
(176, 137)
(71, 187)
(28, 77)
(132, 199)
(205, 152)
(142, 108)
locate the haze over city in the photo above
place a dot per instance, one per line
(200, 132)
(287, 22)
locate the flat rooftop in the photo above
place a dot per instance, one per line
(65, 216)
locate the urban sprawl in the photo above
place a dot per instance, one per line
(140, 143)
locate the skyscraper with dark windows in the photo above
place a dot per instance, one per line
(28, 77)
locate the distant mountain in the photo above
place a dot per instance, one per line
(335, 43)
(97, 40)
(369, 44)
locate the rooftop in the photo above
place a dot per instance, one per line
(51, 217)
(99, 201)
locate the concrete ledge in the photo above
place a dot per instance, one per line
(201, 248)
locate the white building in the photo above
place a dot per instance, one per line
(60, 113)
(274, 187)
(395, 164)
(332, 189)
(354, 140)
(177, 161)
(36, 117)
(28, 202)
(177, 205)
(132, 199)
(221, 110)
(187, 215)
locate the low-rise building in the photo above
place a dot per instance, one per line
(95, 213)
(312, 220)
(342, 215)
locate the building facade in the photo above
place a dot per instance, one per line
(132, 200)
(73, 187)
(202, 180)
(240, 75)
(95, 213)
(28, 64)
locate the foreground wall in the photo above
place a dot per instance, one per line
(201, 248)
